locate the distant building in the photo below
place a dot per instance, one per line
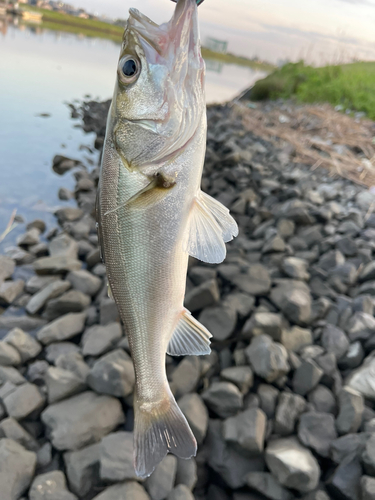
(215, 45)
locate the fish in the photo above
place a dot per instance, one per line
(151, 215)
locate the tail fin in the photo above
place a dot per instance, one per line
(160, 428)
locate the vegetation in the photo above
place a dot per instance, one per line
(351, 85)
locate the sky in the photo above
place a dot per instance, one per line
(320, 31)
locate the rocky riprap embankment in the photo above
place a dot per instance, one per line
(283, 407)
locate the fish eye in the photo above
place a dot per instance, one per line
(128, 69)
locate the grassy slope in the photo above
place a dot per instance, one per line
(90, 27)
(352, 85)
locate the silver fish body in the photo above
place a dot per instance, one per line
(152, 215)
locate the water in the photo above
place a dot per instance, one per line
(40, 72)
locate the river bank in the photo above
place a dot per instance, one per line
(291, 312)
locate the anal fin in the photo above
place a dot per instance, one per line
(189, 338)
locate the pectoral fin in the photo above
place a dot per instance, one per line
(210, 226)
(189, 338)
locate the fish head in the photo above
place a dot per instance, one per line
(159, 93)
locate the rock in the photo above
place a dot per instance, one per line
(306, 377)
(268, 396)
(25, 344)
(10, 374)
(196, 414)
(255, 281)
(108, 311)
(64, 194)
(58, 264)
(275, 244)
(351, 408)
(293, 465)
(241, 376)
(113, 374)
(246, 431)
(116, 457)
(57, 349)
(7, 322)
(125, 491)
(240, 302)
(361, 326)
(31, 237)
(353, 357)
(334, 341)
(267, 485)
(63, 245)
(61, 384)
(51, 291)
(362, 379)
(368, 456)
(323, 400)
(220, 321)
(200, 274)
(268, 359)
(50, 486)
(72, 301)
(82, 469)
(348, 445)
(186, 472)
(17, 467)
(97, 339)
(264, 323)
(204, 295)
(223, 398)
(317, 431)
(85, 282)
(290, 407)
(345, 480)
(63, 328)
(62, 164)
(367, 488)
(296, 268)
(38, 224)
(181, 492)
(161, 482)
(10, 290)
(36, 283)
(81, 420)
(11, 429)
(295, 338)
(9, 356)
(44, 455)
(7, 266)
(68, 214)
(294, 301)
(226, 461)
(23, 400)
(186, 376)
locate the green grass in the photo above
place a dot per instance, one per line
(91, 27)
(351, 85)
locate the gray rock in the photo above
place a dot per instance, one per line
(295, 338)
(7, 266)
(185, 376)
(290, 407)
(68, 214)
(161, 482)
(85, 282)
(323, 400)
(36, 372)
(330, 260)
(74, 363)
(97, 339)
(31, 237)
(368, 456)
(61, 384)
(361, 326)
(36, 283)
(264, 323)
(246, 431)
(334, 341)
(63, 328)
(362, 379)
(51, 291)
(266, 484)
(17, 467)
(196, 414)
(317, 431)
(23, 322)
(268, 359)
(275, 244)
(268, 396)
(181, 492)
(81, 420)
(204, 295)
(294, 300)
(293, 465)
(367, 488)
(306, 377)
(11, 429)
(23, 400)
(108, 311)
(113, 374)
(186, 472)
(223, 398)
(65, 194)
(57, 349)
(353, 357)
(116, 457)
(231, 465)
(44, 455)
(25, 344)
(367, 273)
(50, 486)
(254, 281)
(82, 469)
(345, 480)
(200, 274)
(296, 268)
(351, 408)
(348, 445)
(242, 376)
(57, 264)
(240, 302)
(220, 321)
(64, 245)
(72, 301)
(10, 374)
(10, 290)
(124, 491)
(9, 356)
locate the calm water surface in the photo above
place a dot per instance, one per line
(40, 72)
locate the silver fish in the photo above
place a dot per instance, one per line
(152, 215)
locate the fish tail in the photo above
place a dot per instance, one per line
(160, 428)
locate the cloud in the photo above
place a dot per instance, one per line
(361, 2)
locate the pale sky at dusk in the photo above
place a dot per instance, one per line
(318, 30)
